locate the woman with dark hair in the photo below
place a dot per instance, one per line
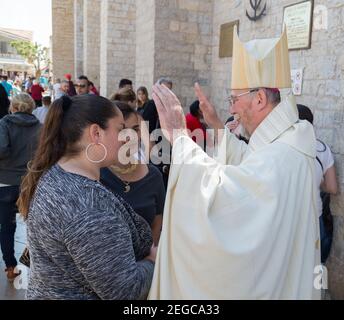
(142, 98)
(84, 242)
(141, 185)
(4, 102)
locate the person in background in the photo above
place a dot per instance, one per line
(28, 85)
(125, 84)
(6, 85)
(57, 89)
(71, 89)
(36, 93)
(93, 89)
(150, 116)
(142, 99)
(166, 81)
(41, 112)
(141, 185)
(19, 133)
(16, 88)
(326, 178)
(4, 102)
(85, 243)
(82, 85)
(50, 89)
(150, 113)
(194, 124)
(63, 91)
(125, 95)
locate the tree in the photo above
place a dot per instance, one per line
(34, 53)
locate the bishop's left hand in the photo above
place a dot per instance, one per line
(171, 115)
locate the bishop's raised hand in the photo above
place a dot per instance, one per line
(171, 115)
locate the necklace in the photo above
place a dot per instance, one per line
(127, 187)
(117, 170)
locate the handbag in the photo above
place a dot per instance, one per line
(25, 258)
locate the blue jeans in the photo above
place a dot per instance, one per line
(326, 241)
(8, 210)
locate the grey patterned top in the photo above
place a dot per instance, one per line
(85, 243)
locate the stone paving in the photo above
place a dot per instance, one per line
(7, 289)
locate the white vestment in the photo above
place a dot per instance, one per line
(245, 227)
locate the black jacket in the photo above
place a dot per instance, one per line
(150, 114)
(4, 102)
(18, 141)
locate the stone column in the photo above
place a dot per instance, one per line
(91, 34)
(78, 37)
(63, 37)
(175, 37)
(118, 43)
(145, 43)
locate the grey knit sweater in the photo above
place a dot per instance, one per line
(85, 243)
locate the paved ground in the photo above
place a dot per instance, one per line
(8, 290)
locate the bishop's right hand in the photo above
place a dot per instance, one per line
(171, 115)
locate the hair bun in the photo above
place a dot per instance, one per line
(66, 103)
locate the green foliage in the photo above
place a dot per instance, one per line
(34, 53)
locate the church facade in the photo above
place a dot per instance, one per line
(142, 40)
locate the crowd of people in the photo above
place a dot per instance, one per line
(23, 121)
(94, 222)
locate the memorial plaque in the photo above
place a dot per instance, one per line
(299, 19)
(226, 39)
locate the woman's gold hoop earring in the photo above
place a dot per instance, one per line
(96, 144)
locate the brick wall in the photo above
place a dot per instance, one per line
(145, 43)
(118, 45)
(78, 37)
(183, 41)
(91, 43)
(63, 31)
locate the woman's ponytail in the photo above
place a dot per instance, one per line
(50, 149)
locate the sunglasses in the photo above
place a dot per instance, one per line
(80, 86)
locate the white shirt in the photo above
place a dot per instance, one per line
(40, 113)
(57, 91)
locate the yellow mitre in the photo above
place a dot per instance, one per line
(261, 63)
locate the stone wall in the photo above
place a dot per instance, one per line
(78, 37)
(323, 89)
(91, 34)
(183, 38)
(145, 43)
(118, 45)
(63, 39)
